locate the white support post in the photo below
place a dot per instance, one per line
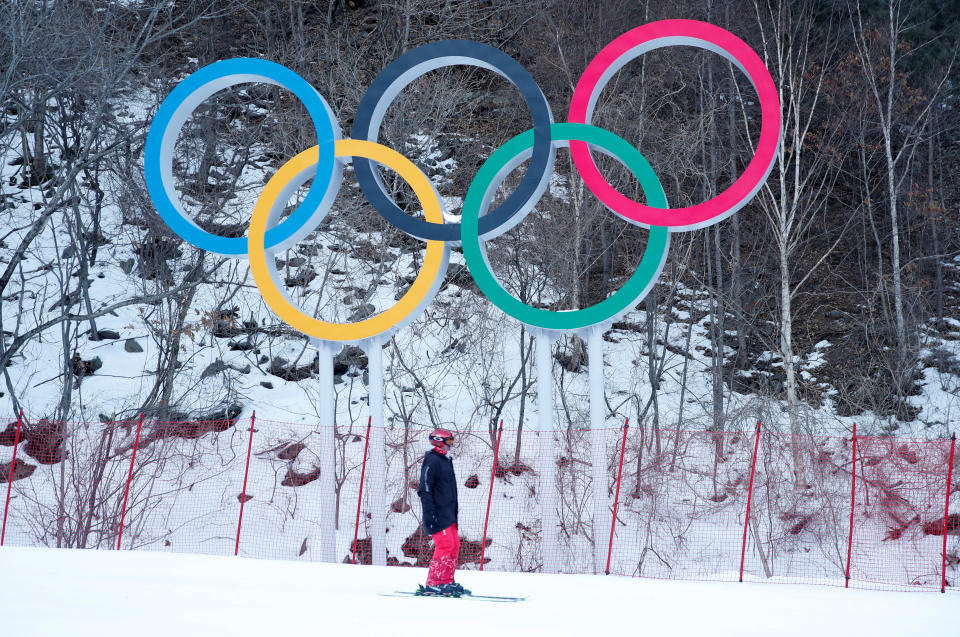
(328, 496)
(550, 548)
(601, 518)
(378, 460)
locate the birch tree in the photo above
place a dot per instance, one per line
(803, 175)
(885, 75)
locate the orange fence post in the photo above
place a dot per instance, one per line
(126, 491)
(946, 516)
(853, 499)
(246, 472)
(13, 464)
(363, 470)
(616, 498)
(746, 522)
(493, 474)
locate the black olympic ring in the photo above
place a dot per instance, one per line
(410, 66)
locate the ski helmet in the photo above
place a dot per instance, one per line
(439, 437)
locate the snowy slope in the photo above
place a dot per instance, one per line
(72, 592)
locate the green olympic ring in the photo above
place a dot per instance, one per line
(492, 173)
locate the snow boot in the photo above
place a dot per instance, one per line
(458, 588)
(451, 590)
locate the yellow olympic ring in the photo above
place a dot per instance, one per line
(424, 286)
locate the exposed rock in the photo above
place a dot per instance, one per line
(936, 527)
(132, 346)
(799, 521)
(230, 412)
(459, 275)
(470, 551)
(515, 468)
(231, 230)
(908, 454)
(45, 442)
(242, 346)
(290, 452)
(267, 384)
(574, 358)
(362, 550)
(190, 429)
(214, 368)
(349, 356)
(472, 482)
(223, 323)
(308, 249)
(301, 278)
(281, 368)
(9, 435)
(153, 255)
(108, 335)
(400, 506)
(244, 498)
(294, 479)
(127, 265)
(20, 470)
(83, 368)
(419, 547)
(66, 300)
(362, 312)
(214, 422)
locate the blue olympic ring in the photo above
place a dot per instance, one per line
(173, 114)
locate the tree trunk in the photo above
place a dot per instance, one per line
(790, 382)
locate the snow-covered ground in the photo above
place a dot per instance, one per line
(75, 593)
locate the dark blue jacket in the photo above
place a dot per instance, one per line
(438, 492)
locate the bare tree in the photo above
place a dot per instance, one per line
(901, 128)
(804, 173)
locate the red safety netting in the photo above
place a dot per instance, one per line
(256, 488)
(900, 506)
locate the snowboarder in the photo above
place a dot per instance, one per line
(438, 497)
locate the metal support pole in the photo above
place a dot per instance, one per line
(246, 472)
(126, 491)
(363, 472)
(597, 442)
(853, 500)
(328, 496)
(550, 551)
(378, 457)
(13, 463)
(753, 468)
(493, 474)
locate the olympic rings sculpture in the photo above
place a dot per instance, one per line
(324, 164)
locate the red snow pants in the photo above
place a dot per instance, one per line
(446, 545)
